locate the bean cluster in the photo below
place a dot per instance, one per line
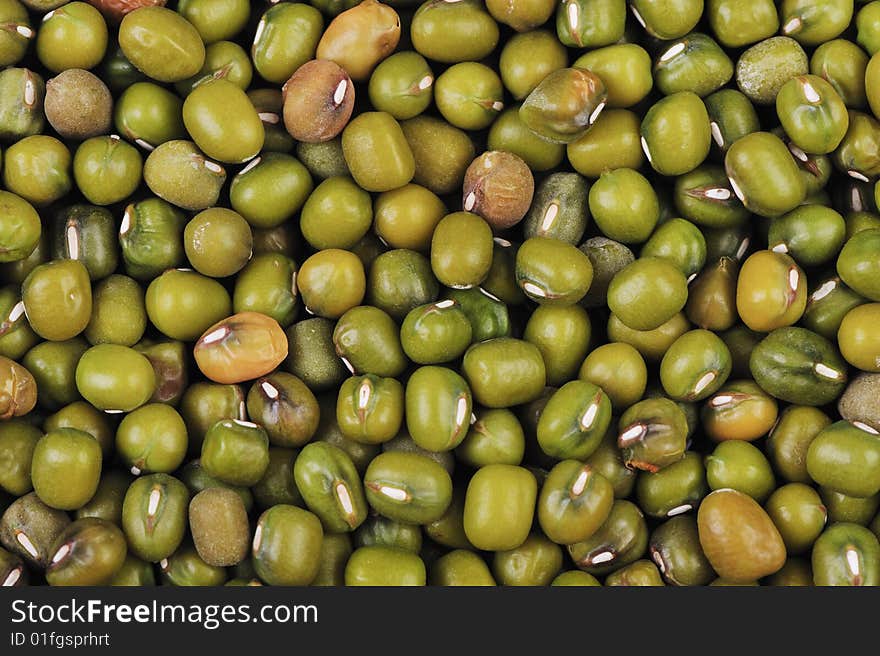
(468, 292)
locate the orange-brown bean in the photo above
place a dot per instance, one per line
(318, 101)
(242, 347)
(18, 389)
(738, 537)
(360, 37)
(499, 187)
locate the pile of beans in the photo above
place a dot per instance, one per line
(514, 292)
